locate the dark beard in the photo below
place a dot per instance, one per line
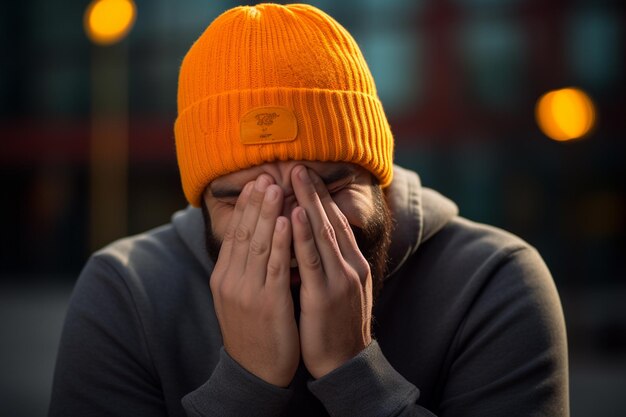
(373, 240)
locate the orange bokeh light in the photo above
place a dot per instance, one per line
(109, 21)
(565, 114)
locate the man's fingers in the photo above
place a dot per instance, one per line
(343, 232)
(309, 260)
(243, 232)
(319, 224)
(229, 237)
(278, 268)
(261, 241)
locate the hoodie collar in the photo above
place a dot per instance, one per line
(189, 225)
(418, 214)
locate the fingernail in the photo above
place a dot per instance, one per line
(280, 224)
(304, 175)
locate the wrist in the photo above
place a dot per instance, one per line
(269, 374)
(365, 386)
(324, 367)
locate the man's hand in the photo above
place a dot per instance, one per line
(251, 286)
(336, 292)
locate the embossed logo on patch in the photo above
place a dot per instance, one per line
(266, 119)
(268, 125)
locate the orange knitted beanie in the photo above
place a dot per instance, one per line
(276, 83)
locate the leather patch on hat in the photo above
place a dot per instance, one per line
(268, 125)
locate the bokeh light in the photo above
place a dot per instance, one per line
(565, 114)
(109, 21)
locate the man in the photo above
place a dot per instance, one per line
(317, 279)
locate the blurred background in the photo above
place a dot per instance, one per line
(87, 150)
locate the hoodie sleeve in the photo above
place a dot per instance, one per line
(233, 391)
(510, 357)
(510, 354)
(105, 368)
(365, 386)
(103, 364)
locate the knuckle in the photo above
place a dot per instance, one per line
(344, 225)
(230, 234)
(274, 269)
(313, 261)
(258, 248)
(353, 280)
(350, 277)
(214, 284)
(221, 289)
(242, 233)
(225, 289)
(363, 267)
(327, 232)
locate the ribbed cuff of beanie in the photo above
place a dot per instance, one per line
(333, 125)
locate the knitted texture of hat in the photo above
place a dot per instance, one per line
(276, 83)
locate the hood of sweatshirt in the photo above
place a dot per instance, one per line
(418, 214)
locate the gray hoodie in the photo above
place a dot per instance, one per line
(468, 323)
